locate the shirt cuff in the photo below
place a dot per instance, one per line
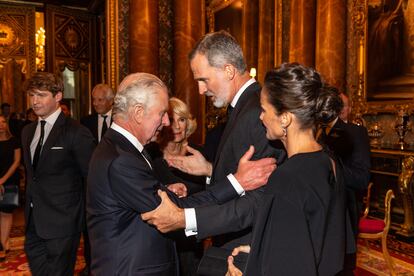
(236, 185)
(208, 180)
(190, 222)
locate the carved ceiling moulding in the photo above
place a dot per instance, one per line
(375, 90)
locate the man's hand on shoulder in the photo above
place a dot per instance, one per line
(254, 174)
(167, 216)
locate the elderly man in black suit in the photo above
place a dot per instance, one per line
(56, 152)
(123, 244)
(219, 68)
(102, 101)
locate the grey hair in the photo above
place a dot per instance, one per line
(220, 48)
(109, 93)
(137, 88)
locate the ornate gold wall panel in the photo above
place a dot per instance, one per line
(302, 32)
(72, 43)
(17, 52)
(188, 28)
(330, 57)
(266, 38)
(143, 36)
(112, 46)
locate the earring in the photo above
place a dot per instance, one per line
(284, 129)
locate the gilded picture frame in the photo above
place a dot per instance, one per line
(383, 94)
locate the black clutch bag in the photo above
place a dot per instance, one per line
(10, 198)
(214, 261)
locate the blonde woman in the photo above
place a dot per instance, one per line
(10, 153)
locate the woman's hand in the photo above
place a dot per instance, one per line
(232, 270)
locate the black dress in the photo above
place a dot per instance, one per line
(7, 148)
(300, 227)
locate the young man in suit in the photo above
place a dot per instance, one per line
(56, 152)
(102, 101)
(219, 68)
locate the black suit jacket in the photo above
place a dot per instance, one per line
(91, 122)
(350, 143)
(56, 188)
(121, 186)
(243, 129)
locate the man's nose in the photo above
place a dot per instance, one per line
(202, 89)
(166, 120)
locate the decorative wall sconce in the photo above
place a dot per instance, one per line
(253, 72)
(40, 49)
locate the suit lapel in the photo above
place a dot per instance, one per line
(231, 122)
(28, 140)
(95, 126)
(124, 143)
(52, 137)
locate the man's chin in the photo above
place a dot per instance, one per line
(219, 103)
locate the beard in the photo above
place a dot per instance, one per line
(217, 102)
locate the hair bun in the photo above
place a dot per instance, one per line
(328, 105)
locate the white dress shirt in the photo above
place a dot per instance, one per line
(50, 121)
(131, 138)
(100, 122)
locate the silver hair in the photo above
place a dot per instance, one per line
(220, 48)
(137, 88)
(109, 93)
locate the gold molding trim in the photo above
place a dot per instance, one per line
(278, 32)
(361, 106)
(112, 44)
(215, 6)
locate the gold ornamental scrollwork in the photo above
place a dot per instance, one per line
(405, 185)
(7, 36)
(112, 43)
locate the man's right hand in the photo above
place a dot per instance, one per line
(254, 174)
(194, 164)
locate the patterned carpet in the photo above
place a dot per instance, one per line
(370, 262)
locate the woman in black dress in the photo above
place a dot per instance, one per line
(10, 155)
(300, 225)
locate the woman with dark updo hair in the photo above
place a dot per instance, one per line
(300, 225)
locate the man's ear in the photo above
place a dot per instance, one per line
(58, 96)
(230, 71)
(138, 112)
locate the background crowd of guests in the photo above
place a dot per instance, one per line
(280, 181)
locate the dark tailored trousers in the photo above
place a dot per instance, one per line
(50, 257)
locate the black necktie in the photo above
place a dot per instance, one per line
(104, 125)
(38, 149)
